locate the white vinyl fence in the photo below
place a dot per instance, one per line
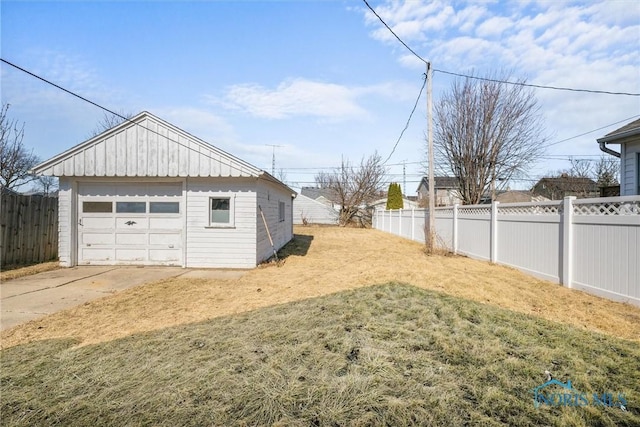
(587, 244)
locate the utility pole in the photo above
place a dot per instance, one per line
(404, 177)
(273, 158)
(430, 237)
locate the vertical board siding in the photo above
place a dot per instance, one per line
(148, 147)
(65, 216)
(221, 247)
(28, 229)
(604, 248)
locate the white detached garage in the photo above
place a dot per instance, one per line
(147, 193)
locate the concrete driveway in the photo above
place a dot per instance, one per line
(31, 297)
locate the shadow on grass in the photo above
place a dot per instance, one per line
(298, 246)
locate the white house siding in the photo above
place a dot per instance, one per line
(65, 222)
(269, 196)
(218, 247)
(313, 211)
(629, 168)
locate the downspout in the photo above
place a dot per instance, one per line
(604, 148)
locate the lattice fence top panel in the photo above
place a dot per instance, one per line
(546, 209)
(475, 211)
(444, 211)
(631, 207)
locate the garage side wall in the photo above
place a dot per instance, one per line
(66, 218)
(222, 245)
(270, 196)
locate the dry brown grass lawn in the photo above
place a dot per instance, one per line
(320, 261)
(13, 273)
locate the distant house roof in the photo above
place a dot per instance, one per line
(556, 188)
(515, 196)
(623, 134)
(315, 192)
(440, 182)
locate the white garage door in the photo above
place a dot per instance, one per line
(130, 223)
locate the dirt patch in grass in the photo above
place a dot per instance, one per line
(14, 272)
(391, 354)
(321, 261)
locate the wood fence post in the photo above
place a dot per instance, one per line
(494, 232)
(567, 241)
(454, 237)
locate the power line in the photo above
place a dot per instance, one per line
(124, 119)
(406, 126)
(493, 80)
(591, 131)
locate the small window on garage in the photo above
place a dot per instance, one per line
(221, 211)
(281, 211)
(164, 207)
(97, 207)
(131, 207)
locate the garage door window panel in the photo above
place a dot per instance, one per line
(97, 207)
(164, 207)
(131, 207)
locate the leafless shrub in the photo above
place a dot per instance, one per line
(352, 187)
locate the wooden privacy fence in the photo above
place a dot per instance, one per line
(28, 229)
(587, 244)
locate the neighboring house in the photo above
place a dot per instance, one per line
(557, 188)
(309, 211)
(148, 193)
(326, 202)
(628, 136)
(446, 189)
(514, 196)
(382, 204)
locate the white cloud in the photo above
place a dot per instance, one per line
(577, 44)
(200, 123)
(303, 98)
(494, 26)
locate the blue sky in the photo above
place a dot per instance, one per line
(321, 79)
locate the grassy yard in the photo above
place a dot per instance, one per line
(356, 328)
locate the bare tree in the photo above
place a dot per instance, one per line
(46, 184)
(281, 175)
(486, 131)
(15, 160)
(352, 187)
(580, 168)
(607, 171)
(323, 179)
(109, 121)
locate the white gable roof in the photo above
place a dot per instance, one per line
(146, 146)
